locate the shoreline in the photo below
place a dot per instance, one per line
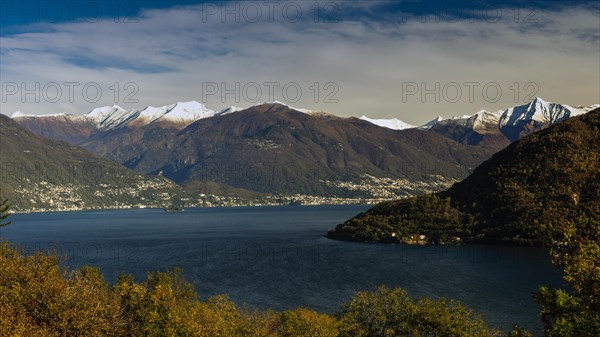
(184, 208)
(462, 243)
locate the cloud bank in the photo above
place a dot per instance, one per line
(376, 63)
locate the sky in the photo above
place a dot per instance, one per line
(411, 60)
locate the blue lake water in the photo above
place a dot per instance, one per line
(277, 257)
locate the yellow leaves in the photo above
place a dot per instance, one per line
(391, 312)
(304, 322)
(40, 300)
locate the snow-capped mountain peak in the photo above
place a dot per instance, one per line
(484, 119)
(115, 117)
(150, 113)
(19, 114)
(537, 110)
(181, 113)
(431, 123)
(513, 122)
(99, 114)
(187, 111)
(394, 123)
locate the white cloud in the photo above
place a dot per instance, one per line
(171, 52)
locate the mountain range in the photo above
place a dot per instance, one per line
(525, 194)
(498, 129)
(494, 129)
(511, 123)
(272, 148)
(277, 149)
(76, 129)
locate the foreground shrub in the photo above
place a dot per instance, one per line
(575, 312)
(39, 298)
(307, 323)
(391, 312)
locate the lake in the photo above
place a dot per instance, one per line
(277, 257)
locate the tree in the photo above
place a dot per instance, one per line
(41, 299)
(575, 313)
(304, 322)
(391, 312)
(4, 207)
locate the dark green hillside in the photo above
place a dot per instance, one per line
(522, 195)
(39, 174)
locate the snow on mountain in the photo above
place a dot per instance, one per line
(19, 114)
(116, 117)
(431, 123)
(150, 113)
(98, 114)
(394, 123)
(183, 112)
(537, 110)
(112, 117)
(483, 119)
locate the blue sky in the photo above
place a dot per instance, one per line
(411, 60)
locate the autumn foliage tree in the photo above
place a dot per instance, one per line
(391, 312)
(576, 312)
